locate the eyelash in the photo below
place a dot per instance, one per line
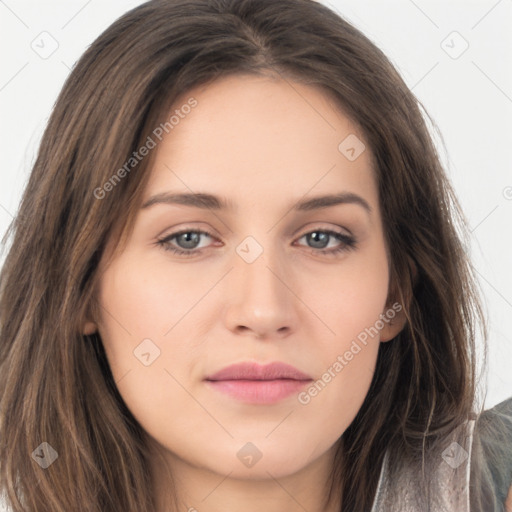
(349, 242)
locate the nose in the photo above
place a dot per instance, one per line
(261, 301)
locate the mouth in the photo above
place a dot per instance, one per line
(255, 384)
(258, 391)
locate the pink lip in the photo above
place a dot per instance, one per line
(258, 384)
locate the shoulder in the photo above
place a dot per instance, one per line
(495, 426)
(493, 436)
(504, 407)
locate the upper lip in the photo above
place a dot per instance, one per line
(254, 371)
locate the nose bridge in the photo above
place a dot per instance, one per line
(261, 301)
(257, 265)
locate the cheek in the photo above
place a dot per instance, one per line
(350, 297)
(143, 301)
(351, 302)
(142, 306)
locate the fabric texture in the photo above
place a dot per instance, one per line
(403, 488)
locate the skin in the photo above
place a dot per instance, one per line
(264, 144)
(508, 501)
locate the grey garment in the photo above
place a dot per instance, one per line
(489, 437)
(494, 444)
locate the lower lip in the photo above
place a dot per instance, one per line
(259, 391)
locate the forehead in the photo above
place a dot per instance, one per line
(250, 138)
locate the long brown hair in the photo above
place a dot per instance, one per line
(56, 385)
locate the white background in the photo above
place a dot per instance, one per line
(469, 97)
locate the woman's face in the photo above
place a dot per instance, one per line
(270, 282)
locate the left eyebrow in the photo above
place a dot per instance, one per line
(316, 203)
(197, 200)
(212, 202)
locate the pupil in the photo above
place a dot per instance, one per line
(189, 238)
(315, 236)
